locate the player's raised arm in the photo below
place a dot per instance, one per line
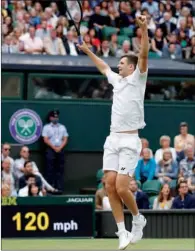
(100, 64)
(143, 55)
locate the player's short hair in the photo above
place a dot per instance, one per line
(131, 59)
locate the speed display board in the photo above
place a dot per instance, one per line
(73, 218)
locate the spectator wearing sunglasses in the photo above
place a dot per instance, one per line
(5, 152)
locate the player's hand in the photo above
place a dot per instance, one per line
(142, 22)
(83, 47)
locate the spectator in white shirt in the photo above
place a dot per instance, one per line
(165, 142)
(53, 45)
(7, 176)
(19, 168)
(33, 44)
(5, 152)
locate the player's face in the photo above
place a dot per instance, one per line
(124, 67)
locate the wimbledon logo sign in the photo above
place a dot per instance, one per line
(25, 126)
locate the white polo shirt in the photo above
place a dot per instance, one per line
(128, 100)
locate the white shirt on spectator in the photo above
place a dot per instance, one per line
(159, 154)
(24, 37)
(19, 164)
(172, 20)
(53, 21)
(128, 100)
(24, 192)
(42, 33)
(73, 51)
(11, 161)
(106, 203)
(9, 48)
(33, 44)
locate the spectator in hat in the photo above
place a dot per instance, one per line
(55, 137)
(184, 139)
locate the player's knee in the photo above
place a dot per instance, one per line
(110, 187)
(121, 190)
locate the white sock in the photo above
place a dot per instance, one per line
(121, 226)
(136, 217)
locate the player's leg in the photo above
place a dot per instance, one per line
(110, 167)
(128, 158)
(122, 187)
(114, 199)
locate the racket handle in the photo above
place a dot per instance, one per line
(80, 40)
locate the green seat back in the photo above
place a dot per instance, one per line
(84, 24)
(99, 175)
(173, 184)
(122, 38)
(153, 55)
(151, 187)
(126, 31)
(151, 201)
(139, 184)
(108, 31)
(100, 186)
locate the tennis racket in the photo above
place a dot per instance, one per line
(75, 13)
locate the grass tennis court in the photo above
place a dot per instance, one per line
(95, 244)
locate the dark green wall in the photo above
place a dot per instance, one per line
(88, 122)
(88, 125)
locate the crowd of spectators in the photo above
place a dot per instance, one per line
(170, 170)
(21, 176)
(109, 29)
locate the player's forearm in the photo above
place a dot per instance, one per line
(100, 64)
(144, 44)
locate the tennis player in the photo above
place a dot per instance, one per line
(123, 146)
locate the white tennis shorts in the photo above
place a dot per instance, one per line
(121, 153)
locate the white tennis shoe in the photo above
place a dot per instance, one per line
(125, 238)
(137, 229)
